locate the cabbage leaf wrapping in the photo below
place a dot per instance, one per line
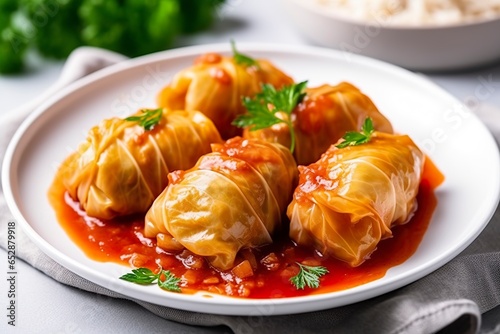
(233, 198)
(322, 118)
(121, 168)
(347, 201)
(215, 85)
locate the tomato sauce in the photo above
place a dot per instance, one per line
(122, 241)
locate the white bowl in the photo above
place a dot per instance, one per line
(423, 48)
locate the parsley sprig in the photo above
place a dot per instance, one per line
(148, 119)
(308, 276)
(241, 58)
(353, 138)
(145, 276)
(263, 109)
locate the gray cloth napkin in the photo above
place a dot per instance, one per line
(450, 300)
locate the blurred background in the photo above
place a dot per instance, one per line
(417, 34)
(54, 28)
(36, 36)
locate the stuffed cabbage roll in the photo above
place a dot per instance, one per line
(347, 201)
(322, 118)
(233, 198)
(122, 167)
(215, 85)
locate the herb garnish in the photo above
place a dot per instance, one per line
(353, 138)
(148, 119)
(308, 276)
(241, 58)
(263, 109)
(145, 276)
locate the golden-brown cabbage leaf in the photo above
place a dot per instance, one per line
(215, 85)
(121, 167)
(323, 117)
(347, 201)
(233, 198)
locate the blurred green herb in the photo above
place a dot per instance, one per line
(241, 58)
(131, 27)
(263, 110)
(13, 40)
(148, 119)
(199, 14)
(308, 276)
(353, 138)
(145, 276)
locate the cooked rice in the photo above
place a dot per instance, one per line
(415, 12)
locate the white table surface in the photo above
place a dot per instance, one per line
(46, 306)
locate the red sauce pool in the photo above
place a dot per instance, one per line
(122, 241)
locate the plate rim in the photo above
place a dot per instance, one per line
(242, 306)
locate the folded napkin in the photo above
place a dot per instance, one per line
(450, 300)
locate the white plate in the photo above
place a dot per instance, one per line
(455, 139)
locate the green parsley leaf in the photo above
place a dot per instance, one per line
(170, 283)
(308, 276)
(352, 138)
(241, 58)
(148, 119)
(140, 276)
(145, 276)
(264, 109)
